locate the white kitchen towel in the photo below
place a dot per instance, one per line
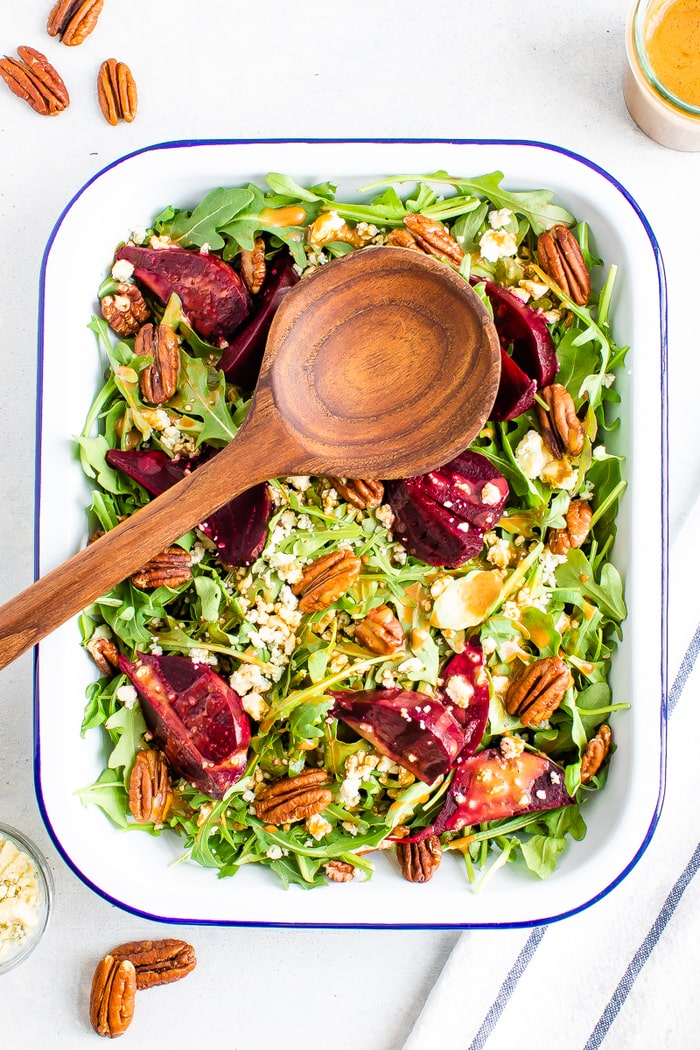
(623, 974)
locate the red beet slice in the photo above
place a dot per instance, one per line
(240, 361)
(239, 528)
(465, 693)
(427, 530)
(197, 720)
(487, 786)
(470, 486)
(526, 330)
(516, 391)
(213, 296)
(411, 728)
(441, 516)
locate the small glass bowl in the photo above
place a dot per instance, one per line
(18, 951)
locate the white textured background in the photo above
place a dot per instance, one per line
(548, 70)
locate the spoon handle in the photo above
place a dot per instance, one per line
(256, 454)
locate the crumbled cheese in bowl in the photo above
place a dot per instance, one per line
(24, 897)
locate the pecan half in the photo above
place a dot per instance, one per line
(116, 91)
(562, 430)
(326, 579)
(293, 798)
(170, 568)
(595, 754)
(157, 962)
(536, 693)
(361, 492)
(158, 381)
(104, 652)
(419, 860)
(150, 792)
(578, 525)
(73, 20)
(561, 258)
(380, 631)
(112, 996)
(402, 238)
(339, 871)
(34, 79)
(253, 266)
(434, 238)
(126, 310)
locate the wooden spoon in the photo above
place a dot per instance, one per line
(382, 364)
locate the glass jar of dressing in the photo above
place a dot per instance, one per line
(662, 81)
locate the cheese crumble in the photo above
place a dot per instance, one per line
(19, 897)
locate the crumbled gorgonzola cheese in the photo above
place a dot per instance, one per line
(19, 896)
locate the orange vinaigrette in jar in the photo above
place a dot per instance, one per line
(672, 37)
(662, 81)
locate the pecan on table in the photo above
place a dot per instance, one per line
(253, 266)
(150, 792)
(73, 20)
(561, 259)
(562, 430)
(361, 492)
(170, 568)
(595, 754)
(578, 525)
(419, 860)
(112, 996)
(116, 92)
(434, 238)
(126, 310)
(104, 652)
(536, 693)
(380, 631)
(326, 579)
(293, 798)
(157, 962)
(158, 381)
(34, 79)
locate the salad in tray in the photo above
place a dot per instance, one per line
(330, 667)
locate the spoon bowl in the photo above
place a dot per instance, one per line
(385, 364)
(382, 364)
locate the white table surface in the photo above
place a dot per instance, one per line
(547, 70)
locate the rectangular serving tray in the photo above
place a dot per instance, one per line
(138, 872)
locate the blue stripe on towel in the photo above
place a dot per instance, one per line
(687, 664)
(508, 987)
(642, 954)
(623, 989)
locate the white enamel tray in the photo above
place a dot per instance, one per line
(136, 871)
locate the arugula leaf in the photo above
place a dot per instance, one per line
(287, 187)
(108, 792)
(577, 573)
(202, 392)
(129, 724)
(215, 211)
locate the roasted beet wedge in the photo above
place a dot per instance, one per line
(197, 720)
(516, 391)
(526, 331)
(213, 296)
(411, 728)
(465, 693)
(488, 786)
(239, 528)
(240, 361)
(441, 516)
(471, 487)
